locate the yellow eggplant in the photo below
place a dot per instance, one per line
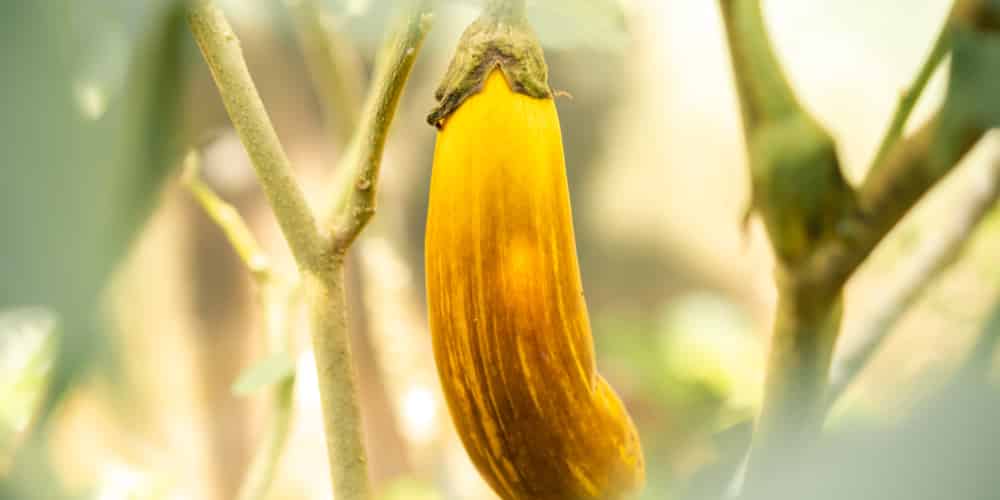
(510, 328)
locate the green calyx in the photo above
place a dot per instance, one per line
(500, 38)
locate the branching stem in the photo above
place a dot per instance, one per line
(319, 256)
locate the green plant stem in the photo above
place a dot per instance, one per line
(355, 185)
(335, 373)
(333, 66)
(320, 260)
(279, 302)
(229, 220)
(777, 128)
(911, 169)
(801, 349)
(264, 467)
(221, 51)
(937, 253)
(762, 87)
(810, 286)
(908, 99)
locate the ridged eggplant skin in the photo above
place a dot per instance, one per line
(509, 322)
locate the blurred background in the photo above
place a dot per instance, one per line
(680, 296)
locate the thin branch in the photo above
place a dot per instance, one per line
(355, 185)
(937, 253)
(908, 99)
(279, 300)
(222, 52)
(281, 304)
(229, 220)
(265, 464)
(333, 67)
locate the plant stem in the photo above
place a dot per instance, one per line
(811, 276)
(762, 87)
(911, 169)
(355, 185)
(264, 468)
(908, 99)
(320, 263)
(221, 51)
(278, 299)
(229, 220)
(806, 322)
(941, 249)
(335, 373)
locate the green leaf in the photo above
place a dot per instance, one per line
(25, 361)
(973, 98)
(266, 372)
(77, 187)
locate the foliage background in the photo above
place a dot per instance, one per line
(100, 95)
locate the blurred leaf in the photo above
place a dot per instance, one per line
(25, 361)
(76, 190)
(105, 34)
(266, 372)
(708, 340)
(975, 77)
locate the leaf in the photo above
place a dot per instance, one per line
(25, 361)
(105, 36)
(975, 77)
(77, 190)
(268, 371)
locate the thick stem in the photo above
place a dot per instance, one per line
(222, 53)
(811, 284)
(764, 92)
(805, 331)
(336, 375)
